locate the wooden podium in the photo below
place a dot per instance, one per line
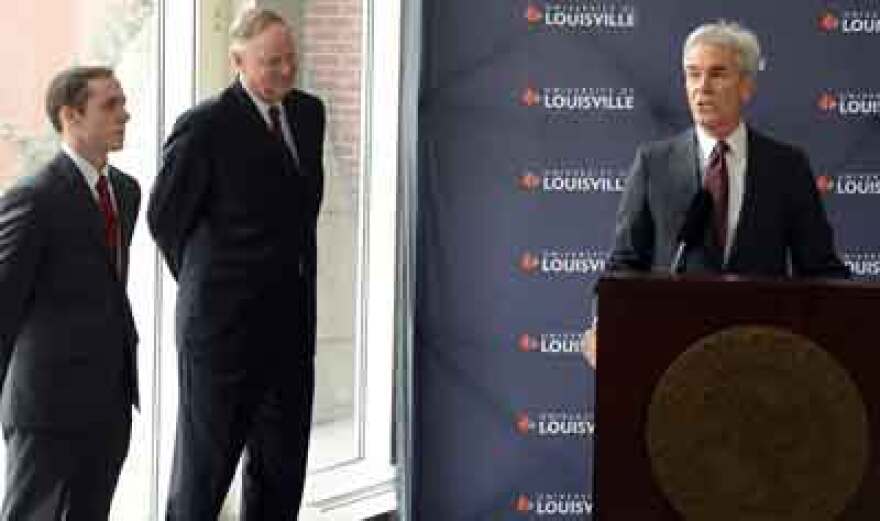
(647, 322)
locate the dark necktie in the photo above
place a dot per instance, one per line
(111, 224)
(275, 122)
(716, 183)
(276, 129)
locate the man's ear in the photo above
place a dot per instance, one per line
(69, 116)
(235, 59)
(747, 90)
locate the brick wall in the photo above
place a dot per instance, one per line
(332, 54)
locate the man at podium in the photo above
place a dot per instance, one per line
(721, 197)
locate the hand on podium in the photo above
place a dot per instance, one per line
(588, 346)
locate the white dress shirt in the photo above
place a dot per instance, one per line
(263, 107)
(737, 159)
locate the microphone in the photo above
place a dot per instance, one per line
(693, 230)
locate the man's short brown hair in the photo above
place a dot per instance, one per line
(70, 88)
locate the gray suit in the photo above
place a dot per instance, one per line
(782, 228)
(67, 343)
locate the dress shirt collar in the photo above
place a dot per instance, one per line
(87, 169)
(736, 142)
(261, 105)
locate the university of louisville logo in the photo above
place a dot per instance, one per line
(828, 22)
(555, 424)
(553, 505)
(860, 19)
(853, 103)
(863, 264)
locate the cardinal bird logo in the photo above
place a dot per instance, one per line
(827, 102)
(523, 504)
(530, 97)
(523, 423)
(828, 22)
(529, 263)
(526, 343)
(824, 183)
(534, 14)
(528, 182)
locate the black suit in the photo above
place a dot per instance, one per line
(234, 213)
(782, 228)
(67, 343)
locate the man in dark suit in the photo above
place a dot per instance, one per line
(67, 336)
(234, 212)
(764, 216)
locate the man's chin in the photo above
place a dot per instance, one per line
(276, 94)
(707, 122)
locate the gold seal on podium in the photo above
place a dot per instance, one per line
(757, 423)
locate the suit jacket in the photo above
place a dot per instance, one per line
(67, 336)
(235, 218)
(782, 228)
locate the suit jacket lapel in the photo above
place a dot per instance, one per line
(746, 212)
(126, 216)
(684, 161)
(243, 99)
(296, 129)
(82, 198)
(123, 205)
(85, 205)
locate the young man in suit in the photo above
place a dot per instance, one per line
(67, 336)
(234, 212)
(765, 217)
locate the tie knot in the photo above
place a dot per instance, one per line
(275, 119)
(721, 148)
(101, 186)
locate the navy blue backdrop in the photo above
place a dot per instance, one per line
(529, 116)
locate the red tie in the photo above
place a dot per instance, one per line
(111, 231)
(716, 183)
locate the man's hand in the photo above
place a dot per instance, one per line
(588, 346)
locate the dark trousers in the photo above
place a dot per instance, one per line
(264, 409)
(63, 476)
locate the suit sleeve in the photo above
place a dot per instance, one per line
(634, 226)
(134, 192)
(19, 255)
(810, 237)
(179, 191)
(321, 126)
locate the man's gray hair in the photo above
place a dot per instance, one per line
(733, 36)
(250, 23)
